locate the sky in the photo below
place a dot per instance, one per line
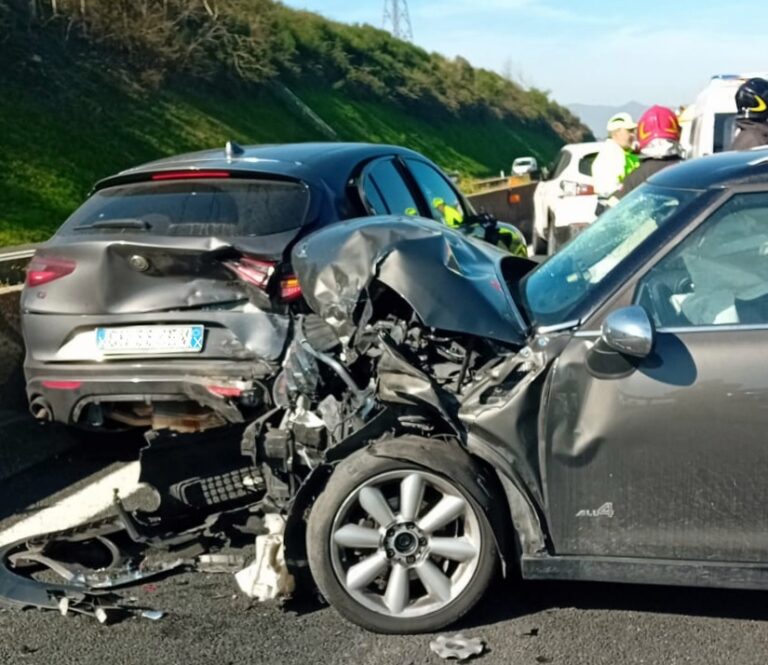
(588, 51)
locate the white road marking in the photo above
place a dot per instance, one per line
(77, 508)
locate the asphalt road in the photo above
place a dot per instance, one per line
(209, 622)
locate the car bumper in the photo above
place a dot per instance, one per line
(570, 210)
(62, 393)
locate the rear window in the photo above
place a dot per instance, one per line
(198, 208)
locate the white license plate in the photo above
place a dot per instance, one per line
(150, 339)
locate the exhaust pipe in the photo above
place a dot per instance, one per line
(41, 409)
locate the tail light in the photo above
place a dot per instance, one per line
(290, 289)
(62, 385)
(225, 391)
(252, 271)
(42, 269)
(576, 188)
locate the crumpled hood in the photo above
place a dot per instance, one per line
(453, 282)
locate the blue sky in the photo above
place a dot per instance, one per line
(589, 51)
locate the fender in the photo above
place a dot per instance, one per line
(419, 451)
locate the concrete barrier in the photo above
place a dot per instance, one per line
(24, 442)
(513, 205)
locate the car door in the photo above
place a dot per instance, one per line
(547, 191)
(667, 457)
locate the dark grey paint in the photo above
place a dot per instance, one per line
(452, 283)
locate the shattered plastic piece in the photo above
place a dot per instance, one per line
(457, 647)
(152, 615)
(267, 578)
(64, 606)
(220, 563)
(101, 615)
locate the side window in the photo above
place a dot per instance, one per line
(444, 203)
(386, 191)
(585, 163)
(725, 128)
(718, 275)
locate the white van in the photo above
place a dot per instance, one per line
(708, 126)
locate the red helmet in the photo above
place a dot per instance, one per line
(658, 122)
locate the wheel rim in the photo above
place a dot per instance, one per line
(405, 543)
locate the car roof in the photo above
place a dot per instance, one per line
(583, 148)
(725, 169)
(329, 161)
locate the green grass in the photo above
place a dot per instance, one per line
(476, 147)
(55, 143)
(63, 132)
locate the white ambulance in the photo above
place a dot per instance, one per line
(708, 125)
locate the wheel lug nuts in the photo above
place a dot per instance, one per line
(411, 559)
(390, 533)
(390, 554)
(423, 542)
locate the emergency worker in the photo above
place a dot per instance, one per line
(752, 119)
(615, 160)
(452, 216)
(658, 138)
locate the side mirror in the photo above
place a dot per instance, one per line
(629, 330)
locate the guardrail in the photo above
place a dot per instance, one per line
(13, 263)
(511, 203)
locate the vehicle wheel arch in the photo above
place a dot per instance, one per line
(516, 525)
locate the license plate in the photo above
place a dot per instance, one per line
(150, 339)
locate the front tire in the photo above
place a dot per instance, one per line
(398, 547)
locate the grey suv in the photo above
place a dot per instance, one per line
(164, 301)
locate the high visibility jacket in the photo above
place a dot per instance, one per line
(452, 216)
(610, 167)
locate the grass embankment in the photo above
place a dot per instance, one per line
(80, 100)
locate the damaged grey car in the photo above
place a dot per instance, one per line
(446, 412)
(594, 418)
(165, 300)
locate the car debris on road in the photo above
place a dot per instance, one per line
(457, 647)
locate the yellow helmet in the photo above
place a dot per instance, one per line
(437, 202)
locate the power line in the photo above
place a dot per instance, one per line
(397, 19)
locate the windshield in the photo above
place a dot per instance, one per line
(226, 207)
(556, 290)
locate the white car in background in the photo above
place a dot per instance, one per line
(565, 202)
(524, 165)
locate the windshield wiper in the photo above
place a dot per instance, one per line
(138, 224)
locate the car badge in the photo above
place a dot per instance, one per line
(606, 510)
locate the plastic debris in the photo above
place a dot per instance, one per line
(267, 578)
(152, 615)
(220, 563)
(457, 647)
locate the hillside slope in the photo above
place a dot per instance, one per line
(80, 99)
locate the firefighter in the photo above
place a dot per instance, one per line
(752, 120)
(658, 137)
(615, 159)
